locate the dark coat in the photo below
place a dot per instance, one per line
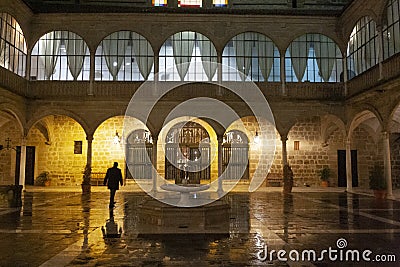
(113, 178)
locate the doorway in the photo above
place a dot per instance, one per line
(29, 167)
(342, 177)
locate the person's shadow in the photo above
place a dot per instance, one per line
(111, 232)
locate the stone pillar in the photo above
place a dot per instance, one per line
(345, 77)
(156, 67)
(284, 150)
(283, 74)
(207, 3)
(91, 74)
(154, 163)
(22, 163)
(89, 139)
(220, 189)
(379, 50)
(172, 3)
(387, 163)
(219, 73)
(28, 65)
(348, 166)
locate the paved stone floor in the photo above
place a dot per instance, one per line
(55, 228)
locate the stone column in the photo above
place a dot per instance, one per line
(154, 163)
(283, 74)
(387, 163)
(172, 3)
(348, 166)
(207, 3)
(91, 74)
(284, 150)
(28, 65)
(345, 77)
(89, 139)
(156, 66)
(22, 163)
(379, 50)
(220, 189)
(219, 73)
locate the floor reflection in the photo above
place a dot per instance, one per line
(57, 223)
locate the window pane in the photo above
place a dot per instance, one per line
(251, 56)
(361, 49)
(12, 45)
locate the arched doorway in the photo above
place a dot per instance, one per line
(193, 163)
(138, 155)
(235, 143)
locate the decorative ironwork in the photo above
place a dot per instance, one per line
(235, 152)
(193, 163)
(138, 157)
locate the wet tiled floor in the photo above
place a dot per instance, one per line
(64, 229)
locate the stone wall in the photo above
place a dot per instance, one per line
(369, 151)
(57, 154)
(7, 156)
(395, 154)
(312, 155)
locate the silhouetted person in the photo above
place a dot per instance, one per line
(112, 180)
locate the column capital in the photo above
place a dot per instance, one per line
(89, 137)
(284, 137)
(220, 138)
(24, 141)
(385, 134)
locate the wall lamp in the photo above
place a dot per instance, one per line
(117, 138)
(257, 139)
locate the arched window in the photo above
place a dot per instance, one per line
(188, 56)
(251, 56)
(124, 56)
(12, 45)
(60, 55)
(361, 49)
(313, 58)
(391, 32)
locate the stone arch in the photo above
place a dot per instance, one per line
(331, 36)
(329, 124)
(266, 66)
(361, 117)
(109, 139)
(264, 153)
(44, 112)
(17, 115)
(394, 118)
(353, 21)
(149, 125)
(312, 144)
(382, 12)
(230, 37)
(364, 136)
(60, 146)
(39, 35)
(185, 67)
(199, 31)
